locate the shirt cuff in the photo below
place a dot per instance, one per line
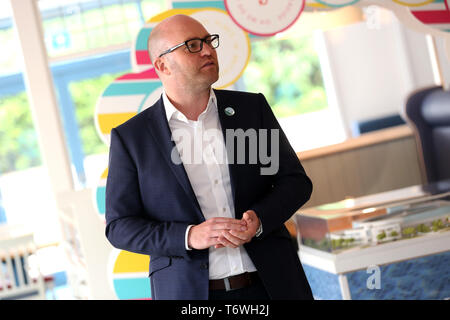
(186, 237)
(260, 229)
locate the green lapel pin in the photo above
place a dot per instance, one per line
(229, 111)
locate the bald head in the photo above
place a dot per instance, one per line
(180, 68)
(164, 34)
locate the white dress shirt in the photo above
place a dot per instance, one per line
(201, 147)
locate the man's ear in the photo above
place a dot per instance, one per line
(161, 66)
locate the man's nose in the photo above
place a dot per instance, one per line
(206, 50)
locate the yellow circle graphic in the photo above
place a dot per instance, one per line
(413, 4)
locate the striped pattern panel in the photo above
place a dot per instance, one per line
(435, 14)
(317, 5)
(189, 4)
(130, 275)
(124, 98)
(100, 194)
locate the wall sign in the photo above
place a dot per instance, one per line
(264, 17)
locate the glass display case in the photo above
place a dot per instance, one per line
(352, 224)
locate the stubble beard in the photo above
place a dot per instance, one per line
(205, 81)
(200, 81)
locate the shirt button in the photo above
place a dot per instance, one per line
(204, 266)
(224, 209)
(216, 181)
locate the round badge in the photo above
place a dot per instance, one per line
(229, 111)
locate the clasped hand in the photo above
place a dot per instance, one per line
(224, 232)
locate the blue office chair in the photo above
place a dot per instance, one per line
(365, 126)
(428, 113)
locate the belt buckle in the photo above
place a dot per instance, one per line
(227, 284)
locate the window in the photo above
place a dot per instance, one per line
(9, 59)
(65, 24)
(288, 71)
(25, 191)
(88, 43)
(21, 175)
(73, 26)
(19, 148)
(84, 94)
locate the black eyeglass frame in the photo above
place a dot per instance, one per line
(185, 43)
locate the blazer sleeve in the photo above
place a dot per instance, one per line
(291, 187)
(128, 227)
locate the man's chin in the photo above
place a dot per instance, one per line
(213, 79)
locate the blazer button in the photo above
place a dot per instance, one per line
(204, 265)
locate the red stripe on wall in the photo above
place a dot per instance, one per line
(142, 57)
(147, 74)
(435, 16)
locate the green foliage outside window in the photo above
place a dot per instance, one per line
(437, 225)
(381, 235)
(85, 94)
(287, 72)
(409, 232)
(393, 234)
(423, 228)
(19, 146)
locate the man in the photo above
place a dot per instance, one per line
(214, 229)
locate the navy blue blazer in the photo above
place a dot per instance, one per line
(150, 202)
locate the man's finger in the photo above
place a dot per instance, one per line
(235, 240)
(241, 235)
(217, 233)
(229, 226)
(224, 220)
(226, 243)
(249, 215)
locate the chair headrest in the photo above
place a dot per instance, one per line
(436, 108)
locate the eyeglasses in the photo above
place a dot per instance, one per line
(196, 44)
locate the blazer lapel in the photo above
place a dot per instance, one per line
(228, 121)
(159, 128)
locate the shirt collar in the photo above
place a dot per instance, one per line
(171, 111)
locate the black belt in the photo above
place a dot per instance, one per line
(239, 281)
